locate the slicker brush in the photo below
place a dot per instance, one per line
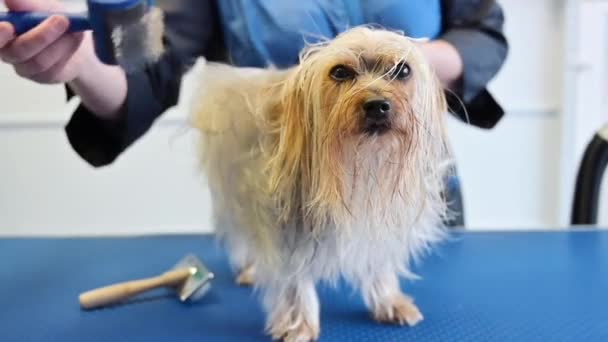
(128, 33)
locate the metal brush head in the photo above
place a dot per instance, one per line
(139, 43)
(199, 282)
(128, 32)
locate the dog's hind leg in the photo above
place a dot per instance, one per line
(240, 251)
(246, 275)
(242, 257)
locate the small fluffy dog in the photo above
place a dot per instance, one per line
(332, 168)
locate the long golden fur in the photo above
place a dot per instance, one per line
(304, 190)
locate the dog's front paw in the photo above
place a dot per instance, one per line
(400, 310)
(301, 331)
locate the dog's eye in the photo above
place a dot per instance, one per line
(342, 73)
(402, 71)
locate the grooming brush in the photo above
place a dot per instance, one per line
(189, 277)
(125, 32)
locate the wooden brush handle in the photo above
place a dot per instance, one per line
(119, 292)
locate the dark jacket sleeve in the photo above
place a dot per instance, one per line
(475, 29)
(151, 91)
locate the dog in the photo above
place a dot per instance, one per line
(331, 169)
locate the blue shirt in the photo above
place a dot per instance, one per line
(260, 33)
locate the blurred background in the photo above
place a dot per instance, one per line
(519, 175)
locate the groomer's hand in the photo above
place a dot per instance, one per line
(45, 54)
(49, 54)
(445, 59)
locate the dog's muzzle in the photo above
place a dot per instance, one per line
(377, 113)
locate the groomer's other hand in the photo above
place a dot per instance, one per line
(445, 59)
(46, 53)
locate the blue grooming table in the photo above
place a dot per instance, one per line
(516, 286)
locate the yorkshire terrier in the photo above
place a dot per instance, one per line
(332, 168)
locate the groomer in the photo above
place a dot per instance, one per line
(467, 48)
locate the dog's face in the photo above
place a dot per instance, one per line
(367, 94)
(370, 83)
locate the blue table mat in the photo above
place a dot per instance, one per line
(532, 286)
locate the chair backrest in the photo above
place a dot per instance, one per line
(589, 180)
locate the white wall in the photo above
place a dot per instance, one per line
(510, 174)
(47, 189)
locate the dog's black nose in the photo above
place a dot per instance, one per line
(377, 109)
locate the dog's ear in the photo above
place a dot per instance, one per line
(430, 104)
(431, 110)
(287, 145)
(305, 164)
